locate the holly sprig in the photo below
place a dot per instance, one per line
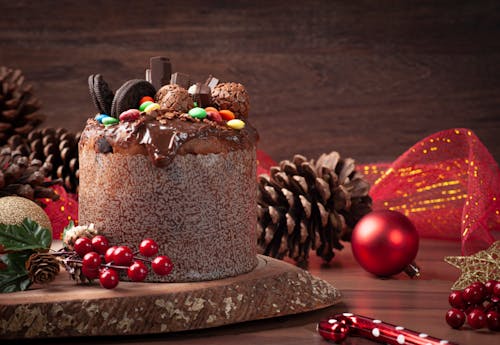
(17, 243)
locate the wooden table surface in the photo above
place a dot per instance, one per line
(368, 79)
(418, 304)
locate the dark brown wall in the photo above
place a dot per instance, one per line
(367, 79)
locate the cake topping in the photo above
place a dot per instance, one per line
(159, 71)
(129, 95)
(130, 115)
(231, 96)
(100, 92)
(209, 118)
(198, 113)
(174, 97)
(181, 79)
(201, 94)
(236, 124)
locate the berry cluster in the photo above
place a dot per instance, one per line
(98, 259)
(478, 304)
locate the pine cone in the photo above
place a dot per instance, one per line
(75, 272)
(232, 96)
(42, 268)
(18, 107)
(71, 235)
(173, 97)
(59, 147)
(307, 204)
(22, 176)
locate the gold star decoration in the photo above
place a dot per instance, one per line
(482, 266)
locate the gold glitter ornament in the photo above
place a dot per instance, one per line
(481, 266)
(13, 209)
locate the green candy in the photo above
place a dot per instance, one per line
(107, 121)
(144, 105)
(198, 113)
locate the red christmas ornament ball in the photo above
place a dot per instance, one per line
(384, 242)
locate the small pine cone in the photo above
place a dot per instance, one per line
(75, 272)
(173, 97)
(57, 149)
(18, 106)
(306, 204)
(25, 177)
(71, 235)
(42, 268)
(232, 96)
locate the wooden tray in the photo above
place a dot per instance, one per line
(62, 309)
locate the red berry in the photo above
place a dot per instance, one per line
(162, 265)
(482, 290)
(456, 300)
(83, 245)
(123, 256)
(109, 256)
(496, 289)
(472, 294)
(138, 271)
(100, 244)
(493, 320)
(148, 247)
(455, 318)
(489, 285)
(476, 318)
(91, 273)
(108, 278)
(91, 260)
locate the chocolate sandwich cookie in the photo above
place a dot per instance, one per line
(129, 94)
(101, 93)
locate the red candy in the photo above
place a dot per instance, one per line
(146, 99)
(214, 116)
(339, 326)
(130, 115)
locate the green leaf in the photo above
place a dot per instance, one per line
(28, 235)
(14, 277)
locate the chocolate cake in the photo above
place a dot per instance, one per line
(182, 175)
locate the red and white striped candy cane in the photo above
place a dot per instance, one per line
(339, 326)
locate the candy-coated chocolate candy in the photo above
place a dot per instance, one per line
(144, 105)
(214, 116)
(146, 99)
(130, 115)
(108, 121)
(207, 109)
(151, 107)
(236, 124)
(226, 114)
(99, 117)
(198, 113)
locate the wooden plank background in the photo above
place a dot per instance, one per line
(368, 79)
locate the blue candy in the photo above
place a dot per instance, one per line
(100, 117)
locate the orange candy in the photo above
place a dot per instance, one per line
(207, 109)
(145, 99)
(227, 114)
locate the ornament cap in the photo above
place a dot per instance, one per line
(412, 270)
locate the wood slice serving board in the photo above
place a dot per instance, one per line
(63, 309)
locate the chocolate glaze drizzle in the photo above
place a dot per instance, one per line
(162, 138)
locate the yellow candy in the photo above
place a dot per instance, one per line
(151, 107)
(236, 124)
